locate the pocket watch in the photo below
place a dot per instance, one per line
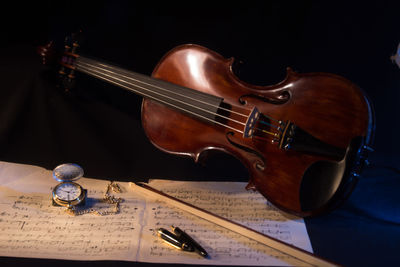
(68, 193)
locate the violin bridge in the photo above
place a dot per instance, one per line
(251, 122)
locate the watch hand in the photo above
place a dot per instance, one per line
(65, 190)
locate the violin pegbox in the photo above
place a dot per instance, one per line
(67, 70)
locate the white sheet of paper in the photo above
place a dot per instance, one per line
(229, 200)
(30, 226)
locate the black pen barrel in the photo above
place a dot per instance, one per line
(170, 238)
(184, 236)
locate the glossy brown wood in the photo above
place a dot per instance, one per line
(329, 107)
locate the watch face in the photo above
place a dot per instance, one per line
(68, 194)
(68, 191)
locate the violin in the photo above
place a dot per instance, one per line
(304, 141)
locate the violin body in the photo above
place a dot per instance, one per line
(303, 141)
(327, 107)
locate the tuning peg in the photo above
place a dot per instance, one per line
(67, 82)
(62, 71)
(71, 75)
(75, 45)
(75, 40)
(67, 44)
(71, 42)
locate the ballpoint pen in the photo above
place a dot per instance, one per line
(180, 240)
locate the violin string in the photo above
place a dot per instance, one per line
(275, 135)
(273, 119)
(119, 84)
(106, 67)
(262, 138)
(269, 124)
(79, 64)
(267, 132)
(90, 72)
(114, 70)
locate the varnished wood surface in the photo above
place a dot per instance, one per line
(327, 106)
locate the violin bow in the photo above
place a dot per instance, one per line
(300, 254)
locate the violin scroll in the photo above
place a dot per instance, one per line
(66, 60)
(47, 53)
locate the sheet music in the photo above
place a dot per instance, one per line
(230, 200)
(30, 226)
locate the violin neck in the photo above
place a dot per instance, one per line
(198, 104)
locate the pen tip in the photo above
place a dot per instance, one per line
(204, 254)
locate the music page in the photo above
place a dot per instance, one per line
(31, 226)
(229, 200)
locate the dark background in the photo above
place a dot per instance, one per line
(98, 126)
